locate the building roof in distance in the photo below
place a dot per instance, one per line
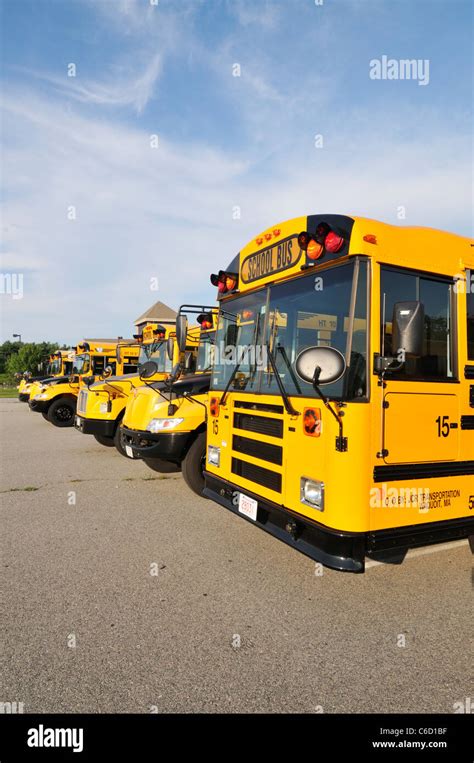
(157, 313)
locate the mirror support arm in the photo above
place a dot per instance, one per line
(341, 441)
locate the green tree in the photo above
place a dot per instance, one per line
(29, 357)
(7, 349)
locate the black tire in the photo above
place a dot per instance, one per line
(103, 440)
(193, 464)
(159, 465)
(118, 442)
(61, 412)
(44, 414)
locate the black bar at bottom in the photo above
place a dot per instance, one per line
(142, 737)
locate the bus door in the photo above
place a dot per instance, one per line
(420, 413)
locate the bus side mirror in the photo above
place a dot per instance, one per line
(170, 348)
(88, 380)
(408, 324)
(148, 369)
(320, 365)
(108, 370)
(181, 332)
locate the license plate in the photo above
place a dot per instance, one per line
(248, 506)
(129, 451)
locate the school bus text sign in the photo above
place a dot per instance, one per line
(273, 259)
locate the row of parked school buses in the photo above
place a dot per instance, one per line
(327, 397)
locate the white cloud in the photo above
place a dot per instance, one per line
(167, 212)
(263, 14)
(120, 88)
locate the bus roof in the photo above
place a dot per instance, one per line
(97, 346)
(279, 252)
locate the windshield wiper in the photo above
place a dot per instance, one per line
(295, 381)
(284, 395)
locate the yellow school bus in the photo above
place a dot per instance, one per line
(56, 398)
(169, 431)
(58, 364)
(341, 413)
(101, 404)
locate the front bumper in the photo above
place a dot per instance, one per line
(95, 426)
(333, 548)
(39, 406)
(169, 446)
(23, 397)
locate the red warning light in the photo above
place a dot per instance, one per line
(225, 282)
(333, 243)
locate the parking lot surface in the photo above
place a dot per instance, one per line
(124, 592)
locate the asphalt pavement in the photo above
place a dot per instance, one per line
(124, 592)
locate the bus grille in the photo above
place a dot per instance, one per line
(82, 401)
(258, 474)
(264, 450)
(259, 424)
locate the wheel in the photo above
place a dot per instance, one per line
(44, 414)
(159, 465)
(61, 412)
(193, 463)
(118, 442)
(107, 441)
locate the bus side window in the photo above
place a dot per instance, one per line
(437, 360)
(98, 365)
(470, 313)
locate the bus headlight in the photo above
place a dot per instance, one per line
(213, 455)
(41, 396)
(105, 407)
(158, 425)
(312, 493)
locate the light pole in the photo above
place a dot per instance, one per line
(17, 336)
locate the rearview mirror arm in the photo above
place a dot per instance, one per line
(341, 441)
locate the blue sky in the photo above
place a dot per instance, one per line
(169, 212)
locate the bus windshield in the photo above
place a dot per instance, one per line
(156, 351)
(205, 354)
(55, 366)
(81, 364)
(285, 319)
